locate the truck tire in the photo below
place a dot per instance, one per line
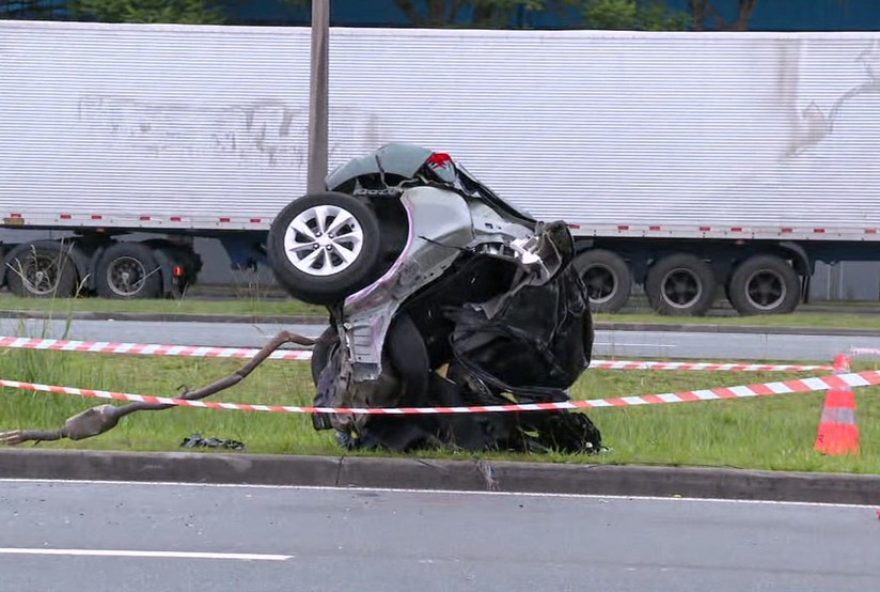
(324, 247)
(681, 284)
(607, 277)
(41, 272)
(127, 271)
(764, 284)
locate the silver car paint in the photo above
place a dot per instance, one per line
(442, 223)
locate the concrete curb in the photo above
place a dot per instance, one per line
(408, 473)
(316, 320)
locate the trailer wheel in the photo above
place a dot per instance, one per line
(764, 284)
(41, 272)
(607, 277)
(324, 247)
(128, 270)
(681, 284)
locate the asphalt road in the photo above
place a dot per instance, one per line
(619, 344)
(148, 537)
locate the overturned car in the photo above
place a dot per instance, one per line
(440, 294)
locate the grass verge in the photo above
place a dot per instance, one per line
(803, 320)
(255, 306)
(767, 433)
(245, 306)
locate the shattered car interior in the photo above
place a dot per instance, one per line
(439, 293)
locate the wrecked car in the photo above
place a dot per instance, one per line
(439, 293)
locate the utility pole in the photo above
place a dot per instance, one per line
(319, 95)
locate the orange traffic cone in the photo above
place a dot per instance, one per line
(838, 432)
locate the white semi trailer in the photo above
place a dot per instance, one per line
(688, 163)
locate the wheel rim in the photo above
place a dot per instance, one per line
(40, 274)
(601, 283)
(765, 289)
(323, 240)
(681, 288)
(126, 276)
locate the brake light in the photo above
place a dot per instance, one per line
(178, 271)
(439, 160)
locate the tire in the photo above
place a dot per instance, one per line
(764, 284)
(127, 271)
(321, 352)
(349, 259)
(607, 277)
(681, 285)
(41, 272)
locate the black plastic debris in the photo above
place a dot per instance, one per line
(197, 441)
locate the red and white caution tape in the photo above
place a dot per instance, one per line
(803, 385)
(192, 351)
(146, 349)
(707, 366)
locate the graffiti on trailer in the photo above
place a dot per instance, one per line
(261, 133)
(816, 124)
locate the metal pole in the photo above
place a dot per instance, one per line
(318, 95)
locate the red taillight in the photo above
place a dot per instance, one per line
(439, 159)
(178, 271)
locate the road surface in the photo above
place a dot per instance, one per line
(619, 344)
(148, 537)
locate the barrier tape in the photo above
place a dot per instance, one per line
(803, 385)
(146, 349)
(706, 366)
(864, 351)
(153, 349)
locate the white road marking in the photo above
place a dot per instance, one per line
(153, 554)
(442, 491)
(616, 344)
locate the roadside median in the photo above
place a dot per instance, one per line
(762, 434)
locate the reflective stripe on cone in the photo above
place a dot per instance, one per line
(838, 432)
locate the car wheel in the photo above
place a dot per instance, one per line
(39, 272)
(607, 278)
(126, 271)
(324, 247)
(681, 284)
(764, 284)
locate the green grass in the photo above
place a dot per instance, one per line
(808, 320)
(767, 433)
(249, 305)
